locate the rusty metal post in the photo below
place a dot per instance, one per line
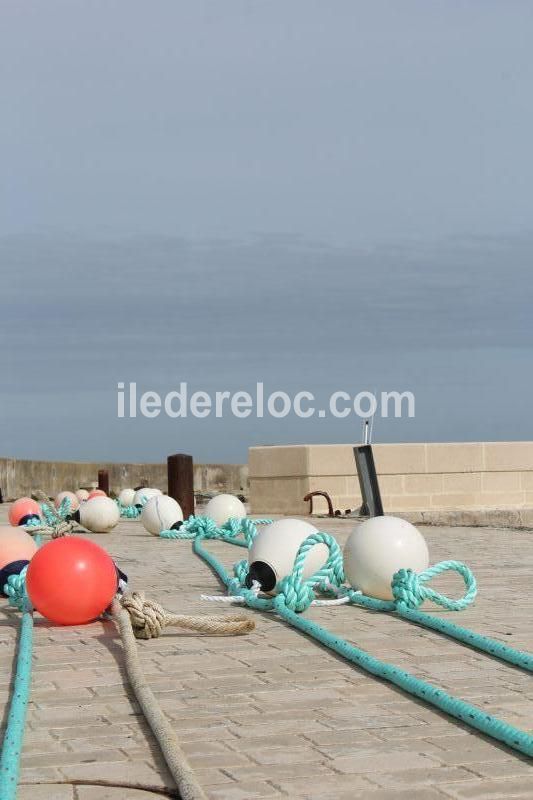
(103, 480)
(181, 482)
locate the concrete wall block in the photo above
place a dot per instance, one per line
(278, 496)
(503, 499)
(462, 483)
(331, 459)
(405, 502)
(274, 461)
(508, 456)
(389, 484)
(423, 484)
(400, 459)
(457, 500)
(455, 457)
(526, 479)
(505, 481)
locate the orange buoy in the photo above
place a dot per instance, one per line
(15, 545)
(96, 493)
(23, 510)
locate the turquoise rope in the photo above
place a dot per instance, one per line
(469, 714)
(128, 512)
(409, 591)
(14, 735)
(478, 641)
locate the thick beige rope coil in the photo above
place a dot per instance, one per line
(137, 616)
(148, 618)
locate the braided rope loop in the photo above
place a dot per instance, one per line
(245, 526)
(409, 591)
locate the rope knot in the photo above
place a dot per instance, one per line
(409, 591)
(147, 616)
(298, 596)
(241, 568)
(202, 526)
(15, 590)
(407, 588)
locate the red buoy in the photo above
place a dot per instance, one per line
(71, 580)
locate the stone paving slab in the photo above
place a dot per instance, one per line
(272, 714)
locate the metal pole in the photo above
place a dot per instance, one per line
(181, 482)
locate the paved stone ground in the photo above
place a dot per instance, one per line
(272, 714)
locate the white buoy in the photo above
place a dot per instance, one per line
(377, 549)
(274, 549)
(161, 513)
(146, 492)
(82, 494)
(126, 497)
(74, 500)
(223, 507)
(99, 514)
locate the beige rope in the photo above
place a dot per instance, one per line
(55, 531)
(62, 528)
(148, 618)
(136, 616)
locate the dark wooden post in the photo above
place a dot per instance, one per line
(103, 480)
(181, 482)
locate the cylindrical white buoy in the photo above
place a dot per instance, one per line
(377, 549)
(99, 514)
(274, 549)
(161, 513)
(223, 507)
(146, 492)
(126, 497)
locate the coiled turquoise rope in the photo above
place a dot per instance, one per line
(409, 591)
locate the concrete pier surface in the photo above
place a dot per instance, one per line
(271, 714)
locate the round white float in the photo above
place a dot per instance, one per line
(145, 492)
(274, 549)
(377, 549)
(74, 500)
(82, 494)
(99, 514)
(126, 497)
(160, 514)
(223, 507)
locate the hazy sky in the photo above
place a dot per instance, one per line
(317, 195)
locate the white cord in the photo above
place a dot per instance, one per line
(341, 599)
(235, 599)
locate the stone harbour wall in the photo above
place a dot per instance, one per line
(20, 477)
